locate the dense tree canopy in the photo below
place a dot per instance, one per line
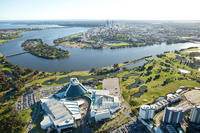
(38, 48)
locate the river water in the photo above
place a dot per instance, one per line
(80, 59)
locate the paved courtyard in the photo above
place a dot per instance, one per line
(193, 96)
(112, 84)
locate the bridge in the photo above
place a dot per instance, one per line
(16, 54)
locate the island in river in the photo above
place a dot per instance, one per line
(38, 48)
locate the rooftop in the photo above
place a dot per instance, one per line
(56, 112)
(112, 85)
(75, 89)
(175, 109)
(147, 107)
(73, 107)
(103, 102)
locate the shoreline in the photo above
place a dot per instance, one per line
(86, 46)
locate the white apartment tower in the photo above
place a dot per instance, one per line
(173, 115)
(195, 114)
(147, 112)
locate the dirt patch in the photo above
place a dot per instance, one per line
(193, 96)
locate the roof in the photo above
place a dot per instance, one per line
(174, 109)
(112, 84)
(73, 107)
(102, 102)
(75, 89)
(56, 112)
(99, 92)
(179, 90)
(46, 122)
(150, 107)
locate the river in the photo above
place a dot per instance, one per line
(80, 59)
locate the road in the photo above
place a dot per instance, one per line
(34, 117)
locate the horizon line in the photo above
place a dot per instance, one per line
(98, 20)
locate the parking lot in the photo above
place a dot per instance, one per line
(31, 97)
(48, 91)
(130, 127)
(30, 100)
(26, 101)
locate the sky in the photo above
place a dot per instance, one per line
(100, 9)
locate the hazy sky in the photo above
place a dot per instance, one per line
(100, 9)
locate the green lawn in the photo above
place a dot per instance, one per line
(74, 35)
(3, 41)
(140, 44)
(25, 115)
(119, 44)
(91, 41)
(37, 128)
(155, 87)
(83, 44)
(125, 44)
(99, 87)
(40, 81)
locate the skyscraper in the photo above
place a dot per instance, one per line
(147, 112)
(195, 114)
(173, 115)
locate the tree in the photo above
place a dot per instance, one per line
(115, 65)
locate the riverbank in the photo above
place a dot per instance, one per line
(78, 41)
(8, 35)
(80, 59)
(156, 78)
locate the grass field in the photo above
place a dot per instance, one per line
(155, 84)
(3, 41)
(57, 77)
(74, 35)
(161, 76)
(37, 128)
(140, 44)
(119, 44)
(99, 87)
(25, 115)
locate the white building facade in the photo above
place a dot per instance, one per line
(147, 112)
(173, 115)
(103, 105)
(56, 115)
(195, 114)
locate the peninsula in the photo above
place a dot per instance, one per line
(117, 35)
(8, 35)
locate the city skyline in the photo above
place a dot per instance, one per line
(96, 9)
